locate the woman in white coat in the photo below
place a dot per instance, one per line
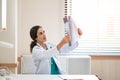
(44, 53)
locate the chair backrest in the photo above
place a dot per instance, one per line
(27, 65)
(75, 64)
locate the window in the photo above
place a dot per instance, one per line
(100, 23)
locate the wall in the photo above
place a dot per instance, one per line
(47, 13)
(9, 55)
(106, 67)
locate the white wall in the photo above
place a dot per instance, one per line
(47, 13)
(8, 55)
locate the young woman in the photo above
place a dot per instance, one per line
(45, 53)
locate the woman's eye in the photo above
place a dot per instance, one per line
(42, 32)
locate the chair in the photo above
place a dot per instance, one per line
(27, 65)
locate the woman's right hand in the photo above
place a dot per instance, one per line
(65, 40)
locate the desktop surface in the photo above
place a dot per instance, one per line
(51, 77)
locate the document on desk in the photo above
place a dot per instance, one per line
(78, 77)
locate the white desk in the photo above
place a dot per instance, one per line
(78, 77)
(51, 77)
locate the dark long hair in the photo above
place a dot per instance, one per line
(33, 35)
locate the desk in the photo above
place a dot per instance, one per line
(51, 77)
(78, 77)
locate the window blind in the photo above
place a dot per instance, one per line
(67, 7)
(100, 24)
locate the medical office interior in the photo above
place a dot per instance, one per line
(21, 15)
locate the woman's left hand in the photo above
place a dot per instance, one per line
(79, 31)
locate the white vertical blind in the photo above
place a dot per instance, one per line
(100, 23)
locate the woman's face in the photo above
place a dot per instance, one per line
(41, 37)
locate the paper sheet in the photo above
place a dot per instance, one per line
(71, 29)
(78, 77)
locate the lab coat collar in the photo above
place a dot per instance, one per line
(41, 46)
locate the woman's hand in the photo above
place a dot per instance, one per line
(65, 40)
(79, 31)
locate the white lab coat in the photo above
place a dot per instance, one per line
(42, 57)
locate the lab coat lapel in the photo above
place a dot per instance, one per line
(57, 63)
